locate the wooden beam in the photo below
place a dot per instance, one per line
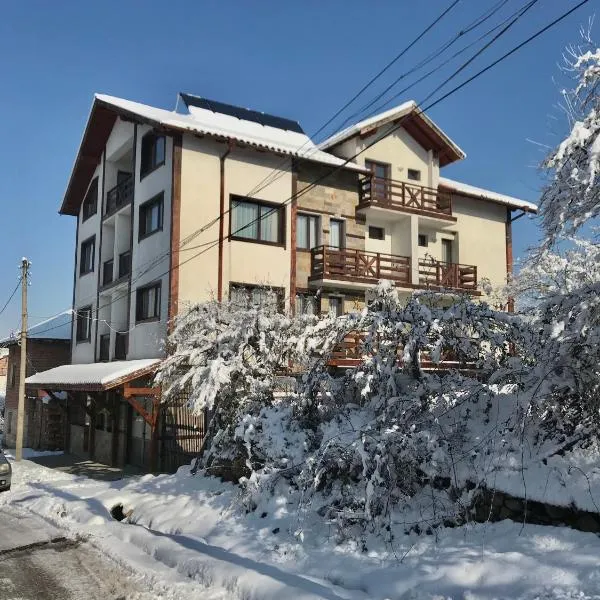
(141, 410)
(129, 392)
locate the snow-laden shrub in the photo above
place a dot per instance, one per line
(572, 196)
(361, 444)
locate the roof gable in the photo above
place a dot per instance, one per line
(417, 124)
(199, 121)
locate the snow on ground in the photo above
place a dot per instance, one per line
(187, 540)
(31, 453)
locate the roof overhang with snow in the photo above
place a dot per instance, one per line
(93, 377)
(464, 189)
(416, 123)
(202, 122)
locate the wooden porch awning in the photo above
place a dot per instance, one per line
(94, 377)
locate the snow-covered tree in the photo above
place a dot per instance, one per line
(572, 197)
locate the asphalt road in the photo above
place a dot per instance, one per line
(38, 563)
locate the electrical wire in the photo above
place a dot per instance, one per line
(11, 296)
(398, 126)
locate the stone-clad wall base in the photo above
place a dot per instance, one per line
(493, 505)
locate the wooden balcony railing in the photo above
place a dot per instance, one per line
(357, 265)
(350, 353)
(119, 196)
(437, 274)
(399, 195)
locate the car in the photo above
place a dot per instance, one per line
(5, 473)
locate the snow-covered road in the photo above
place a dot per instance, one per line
(38, 562)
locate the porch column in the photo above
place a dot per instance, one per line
(414, 249)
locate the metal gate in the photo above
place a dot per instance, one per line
(181, 434)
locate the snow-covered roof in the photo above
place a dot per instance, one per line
(393, 114)
(350, 131)
(56, 328)
(477, 192)
(92, 376)
(207, 122)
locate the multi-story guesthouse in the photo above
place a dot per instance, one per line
(216, 201)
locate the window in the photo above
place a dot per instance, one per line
(254, 296)
(257, 221)
(447, 251)
(336, 233)
(307, 304)
(13, 376)
(151, 216)
(86, 260)
(83, 331)
(90, 203)
(107, 271)
(307, 232)
(376, 233)
(148, 303)
(153, 153)
(336, 306)
(413, 174)
(104, 347)
(423, 241)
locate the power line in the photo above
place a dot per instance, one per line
(11, 296)
(369, 83)
(473, 25)
(398, 126)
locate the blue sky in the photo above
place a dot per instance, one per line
(301, 60)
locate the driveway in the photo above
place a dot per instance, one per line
(38, 563)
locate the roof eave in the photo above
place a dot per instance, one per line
(528, 208)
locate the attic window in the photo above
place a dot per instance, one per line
(414, 174)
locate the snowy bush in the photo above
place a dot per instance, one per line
(355, 445)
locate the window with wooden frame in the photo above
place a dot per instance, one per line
(147, 302)
(151, 216)
(87, 256)
(153, 153)
(90, 202)
(245, 295)
(307, 231)
(83, 324)
(336, 234)
(257, 221)
(413, 174)
(376, 233)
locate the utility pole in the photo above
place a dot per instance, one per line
(25, 264)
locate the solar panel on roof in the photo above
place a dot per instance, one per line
(242, 113)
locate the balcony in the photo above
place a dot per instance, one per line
(366, 268)
(119, 196)
(395, 195)
(358, 266)
(121, 346)
(435, 274)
